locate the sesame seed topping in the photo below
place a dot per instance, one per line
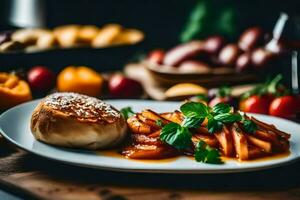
(82, 106)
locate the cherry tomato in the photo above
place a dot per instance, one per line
(156, 56)
(286, 107)
(256, 104)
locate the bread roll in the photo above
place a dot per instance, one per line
(77, 121)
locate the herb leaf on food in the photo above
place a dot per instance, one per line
(127, 112)
(176, 136)
(249, 126)
(204, 153)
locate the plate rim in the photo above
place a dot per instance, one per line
(138, 170)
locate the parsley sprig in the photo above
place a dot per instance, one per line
(206, 154)
(127, 112)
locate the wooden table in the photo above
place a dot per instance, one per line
(32, 177)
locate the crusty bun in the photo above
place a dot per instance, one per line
(78, 121)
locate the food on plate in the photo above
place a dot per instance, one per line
(81, 80)
(78, 121)
(185, 90)
(13, 91)
(120, 86)
(256, 104)
(40, 79)
(182, 52)
(207, 133)
(251, 38)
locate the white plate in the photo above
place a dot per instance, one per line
(14, 126)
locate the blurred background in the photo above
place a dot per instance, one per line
(162, 21)
(270, 29)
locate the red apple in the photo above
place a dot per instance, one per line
(122, 87)
(156, 56)
(40, 79)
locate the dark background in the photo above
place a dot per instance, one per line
(162, 20)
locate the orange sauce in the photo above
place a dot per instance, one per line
(115, 154)
(261, 159)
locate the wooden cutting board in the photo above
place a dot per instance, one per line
(156, 90)
(32, 177)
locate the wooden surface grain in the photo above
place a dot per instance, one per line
(32, 177)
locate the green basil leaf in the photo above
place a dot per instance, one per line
(204, 153)
(213, 125)
(192, 109)
(228, 117)
(176, 136)
(221, 108)
(192, 122)
(202, 97)
(249, 126)
(127, 112)
(159, 123)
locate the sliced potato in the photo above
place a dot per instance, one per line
(175, 117)
(208, 139)
(225, 139)
(154, 116)
(255, 152)
(266, 146)
(138, 127)
(149, 152)
(149, 122)
(240, 142)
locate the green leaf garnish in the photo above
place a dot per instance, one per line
(159, 123)
(192, 122)
(221, 108)
(127, 112)
(213, 125)
(227, 118)
(204, 153)
(176, 136)
(249, 126)
(194, 109)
